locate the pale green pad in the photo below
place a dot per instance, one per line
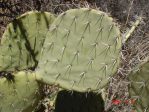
(81, 51)
(139, 88)
(20, 95)
(23, 39)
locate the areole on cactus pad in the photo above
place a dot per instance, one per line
(22, 40)
(81, 51)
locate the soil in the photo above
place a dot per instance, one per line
(125, 12)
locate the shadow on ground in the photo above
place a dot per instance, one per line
(78, 102)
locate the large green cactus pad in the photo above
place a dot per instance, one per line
(139, 88)
(23, 39)
(20, 93)
(81, 51)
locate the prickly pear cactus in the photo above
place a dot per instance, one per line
(81, 51)
(20, 49)
(23, 39)
(19, 92)
(139, 88)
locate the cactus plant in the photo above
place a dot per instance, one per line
(139, 87)
(19, 92)
(81, 51)
(20, 49)
(23, 39)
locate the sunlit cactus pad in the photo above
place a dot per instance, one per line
(139, 88)
(23, 39)
(19, 93)
(81, 51)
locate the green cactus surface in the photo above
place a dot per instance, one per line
(19, 92)
(139, 88)
(81, 51)
(23, 39)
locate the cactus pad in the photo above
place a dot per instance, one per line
(23, 39)
(81, 51)
(18, 93)
(139, 88)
